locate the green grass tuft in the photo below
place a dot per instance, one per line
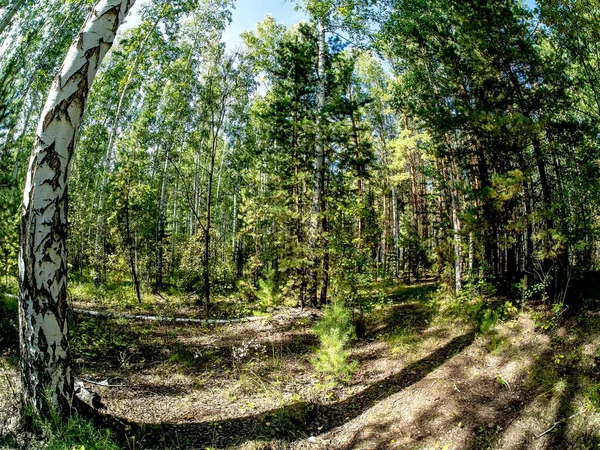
(75, 433)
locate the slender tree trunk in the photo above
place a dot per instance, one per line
(414, 258)
(107, 160)
(7, 19)
(456, 229)
(318, 163)
(325, 262)
(206, 258)
(395, 231)
(129, 242)
(360, 171)
(222, 160)
(160, 232)
(471, 256)
(234, 224)
(45, 355)
(175, 222)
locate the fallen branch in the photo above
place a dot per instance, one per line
(105, 383)
(280, 317)
(90, 312)
(558, 423)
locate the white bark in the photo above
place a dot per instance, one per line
(7, 19)
(45, 358)
(161, 221)
(456, 229)
(234, 225)
(319, 148)
(108, 156)
(313, 233)
(395, 231)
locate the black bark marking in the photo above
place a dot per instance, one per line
(36, 373)
(63, 342)
(43, 345)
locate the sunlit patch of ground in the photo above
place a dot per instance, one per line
(424, 380)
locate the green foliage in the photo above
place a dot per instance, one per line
(114, 295)
(335, 331)
(74, 433)
(101, 338)
(549, 320)
(9, 319)
(268, 293)
(592, 396)
(479, 302)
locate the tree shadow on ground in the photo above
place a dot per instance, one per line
(110, 346)
(546, 410)
(288, 423)
(463, 411)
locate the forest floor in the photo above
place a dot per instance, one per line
(426, 379)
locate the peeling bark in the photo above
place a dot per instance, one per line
(45, 356)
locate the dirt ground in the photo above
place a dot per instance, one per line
(423, 381)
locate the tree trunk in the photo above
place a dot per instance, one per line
(99, 255)
(234, 224)
(395, 231)
(175, 222)
(7, 19)
(129, 242)
(160, 232)
(45, 355)
(206, 258)
(456, 229)
(318, 163)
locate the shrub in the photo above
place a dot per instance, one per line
(9, 319)
(268, 294)
(335, 331)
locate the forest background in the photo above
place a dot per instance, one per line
(391, 140)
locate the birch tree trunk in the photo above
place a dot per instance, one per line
(319, 161)
(99, 255)
(45, 356)
(7, 19)
(456, 230)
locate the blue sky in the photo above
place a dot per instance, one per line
(248, 12)
(245, 16)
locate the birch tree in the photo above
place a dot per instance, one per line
(13, 10)
(45, 356)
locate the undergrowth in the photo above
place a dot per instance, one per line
(75, 433)
(479, 302)
(335, 331)
(9, 331)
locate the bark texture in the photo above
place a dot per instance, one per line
(45, 357)
(7, 19)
